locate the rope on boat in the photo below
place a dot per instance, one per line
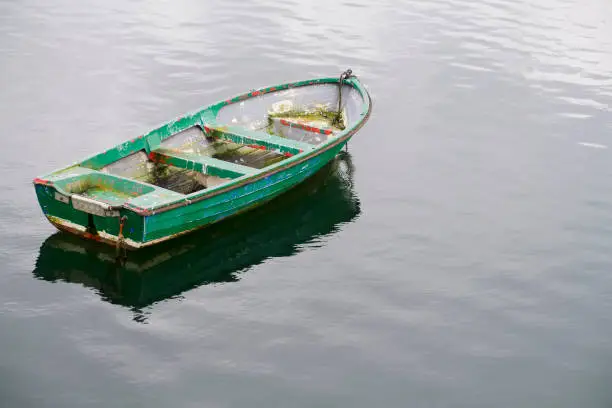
(344, 76)
(119, 244)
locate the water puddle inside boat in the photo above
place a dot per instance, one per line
(311, 125)
(193, 142)
(184, 181)
(320, 116)
(176, 179)
(245, 155)
(309, 122)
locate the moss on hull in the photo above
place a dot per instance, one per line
(320, 114)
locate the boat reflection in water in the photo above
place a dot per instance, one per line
(215, 254)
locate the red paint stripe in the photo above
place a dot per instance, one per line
(254, 146)
(305, 127)
(43, 182)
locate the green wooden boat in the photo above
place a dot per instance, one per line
(207, 165)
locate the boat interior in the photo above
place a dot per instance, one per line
(212, 147)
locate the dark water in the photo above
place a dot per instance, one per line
(459, 256)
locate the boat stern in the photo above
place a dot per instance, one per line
(88, 217)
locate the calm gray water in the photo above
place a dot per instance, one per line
(459, 256)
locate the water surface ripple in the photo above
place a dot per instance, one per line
(458, 256)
